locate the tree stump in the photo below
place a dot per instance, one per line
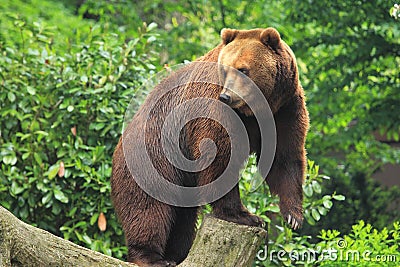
(222, 243)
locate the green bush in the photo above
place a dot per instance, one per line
(363, 246)
(62, 114)
(21, 22)
(262, 203)
(353, 92)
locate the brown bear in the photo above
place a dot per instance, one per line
(159, 233)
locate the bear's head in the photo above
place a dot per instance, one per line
(266, 59)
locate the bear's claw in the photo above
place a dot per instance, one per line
(293, 222)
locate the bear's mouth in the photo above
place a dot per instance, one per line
(230, 98)
(236, 104)
(241, 107)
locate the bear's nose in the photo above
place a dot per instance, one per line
(225, 98)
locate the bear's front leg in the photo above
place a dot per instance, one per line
(230, 208)
(287, 173)
(284, 180)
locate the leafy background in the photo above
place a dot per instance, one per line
(68, 70)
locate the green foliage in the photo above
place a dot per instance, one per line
(262, 203)
(26, 22)
(354, 83)
(353, 94)
(62, 113)
(189, 28)
(363, 246)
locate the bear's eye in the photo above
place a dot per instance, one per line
(245, 71)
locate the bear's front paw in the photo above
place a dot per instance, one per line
(293, 217)
(294, 222)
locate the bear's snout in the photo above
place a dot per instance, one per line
(231, 98)
(225, 98)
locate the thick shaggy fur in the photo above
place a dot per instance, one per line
(158, 234)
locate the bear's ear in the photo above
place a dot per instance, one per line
(270, 37)
(227, 35)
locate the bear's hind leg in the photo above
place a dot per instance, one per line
(147, 234)
(230, 208)
(182, 234)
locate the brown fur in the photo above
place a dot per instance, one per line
(161, 235)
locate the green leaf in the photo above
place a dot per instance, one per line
(11, 96)
(315, 214)
(308, 217)
(60, 196)
(10, 159)
(323, 211)
(339, 197)
(32, 200)
(107, 251)
(78, 235)
(93, 219)
(151, 39)
(56, 209)
(53, 170)
(81, 224)
(273, 208)
(72, 212)
(24, 212)
(38, 158)
(316, 187)
(102, 80)
(46, 198)
(328, 204)
(308, 191)
(152, 26)
(288, 247)
(42, 133)
(25, 155)
(15, 188)
(84, 79)
(31, 90)
(87, 239)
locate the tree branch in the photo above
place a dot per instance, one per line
(222, 10)
(24, 245)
